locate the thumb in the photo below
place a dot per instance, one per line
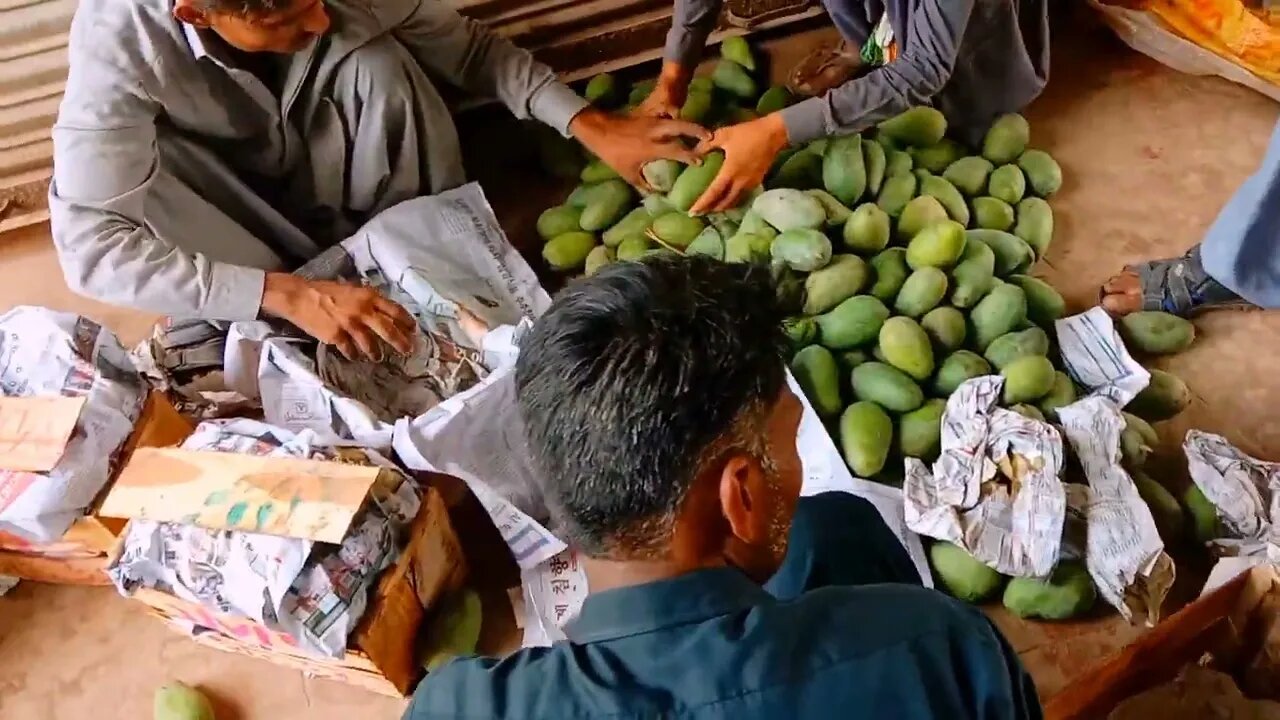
(672, 129)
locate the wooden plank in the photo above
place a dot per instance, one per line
(34, 430)
(310, 499)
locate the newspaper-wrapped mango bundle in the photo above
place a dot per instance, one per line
(313, 591)
(92, 397)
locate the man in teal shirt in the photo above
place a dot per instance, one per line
(656, 408)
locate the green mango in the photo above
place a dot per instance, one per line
(1205, 523)
(963, 575)
(1165, 510)
(1157, 333)
(661, 174)
(1044, 304)
(788, 209)
(1029, 412)
(774, 99)
(969, 175)
(694, 181)
(837, 214)
(602, 91)
(897, 191)
(918, 126)
(596, 259)
(998, 312)
(1163, 398)
(737, 50)
(568, 251)
(922, 291)
(957, 368)
(454, 629)
(945, 327)
(919, 213)
(974, 275)
(874, 158)
(1007, 183)
(635, 222)
(640, 91)
(891, 271)
(948, 195)
(993, 214)
(866, 433)
(748, 247)
(1035, 224)
(1027, 379)
(1007, 139)
(606, 205)
(939, 245)
(844, 172)
(800, 171)
(1062, 394)
(1013, 345)
(176, 701)
(853, 323)
(938, 157)
(920, 431)
(558, 220)
(1042, 171)
(867, 230)
(734, 79)
(697, 106)
(886, 386)
(1012, 254)
(708, 243)
(675, 229)
(840, 280)
(633, 247)
(803, 250)
(597, 171)
(897, 162)
(816, 371)
(906, 346)
(1068, 593)
(800, 331)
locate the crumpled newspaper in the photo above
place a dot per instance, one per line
(1123, 550)
(43, 352)
(994, 490)
(7, 583)
(315, 592)
(1245, 490)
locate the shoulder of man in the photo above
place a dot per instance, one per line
(487, 687)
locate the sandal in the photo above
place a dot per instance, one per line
(1180, 286)
(823, 69)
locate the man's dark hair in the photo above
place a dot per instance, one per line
(246, 8)
(634, 380)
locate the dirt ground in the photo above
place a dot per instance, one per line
(1149, 156)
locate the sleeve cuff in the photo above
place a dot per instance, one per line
(805, 121)
(235, 293)
(683, 47)
(556, 105)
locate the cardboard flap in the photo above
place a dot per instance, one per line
(34, 431)
(309, 499)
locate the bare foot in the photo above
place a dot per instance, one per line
(1122, 294)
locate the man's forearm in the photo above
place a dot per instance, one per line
(691, 25)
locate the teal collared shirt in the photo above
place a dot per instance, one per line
(713, 644)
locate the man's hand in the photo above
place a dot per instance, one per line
(749, 149)
(627, 142)
(668, 94)
(354, 319)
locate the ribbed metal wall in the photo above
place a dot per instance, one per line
(576, 37)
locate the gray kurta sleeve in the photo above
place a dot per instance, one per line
(691, 25)
(932, 42)
(467, 54)
(105, 162)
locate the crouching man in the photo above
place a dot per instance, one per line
(656, 409)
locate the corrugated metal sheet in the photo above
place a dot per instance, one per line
(33, 66)
(576, 37)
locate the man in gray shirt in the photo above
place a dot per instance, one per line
(972, 59)
(204, 148)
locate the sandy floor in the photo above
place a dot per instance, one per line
(1149, 155)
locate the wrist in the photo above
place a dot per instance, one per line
(776, 130)
(587, 123)
(280, 292)
(674, 75)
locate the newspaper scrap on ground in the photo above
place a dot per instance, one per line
(7, 583)
(1125, 554)
(315, 592)
(1244, 489)
(994, 491)
(48, 353)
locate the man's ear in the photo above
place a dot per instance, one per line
(741, 498)
(189, 12)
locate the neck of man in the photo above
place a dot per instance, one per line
(604, 574)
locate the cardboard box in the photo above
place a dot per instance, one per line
(80, 555)
(307, 499)
(1216, 623)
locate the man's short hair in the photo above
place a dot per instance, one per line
(246, 8)
(634, 380)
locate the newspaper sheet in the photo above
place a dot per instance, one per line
(994, 491)
(1244, 489)
(1124, 553)
(315, 592)
(48, 353)
(1095, 357)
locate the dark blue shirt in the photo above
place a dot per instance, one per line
(713, 644)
